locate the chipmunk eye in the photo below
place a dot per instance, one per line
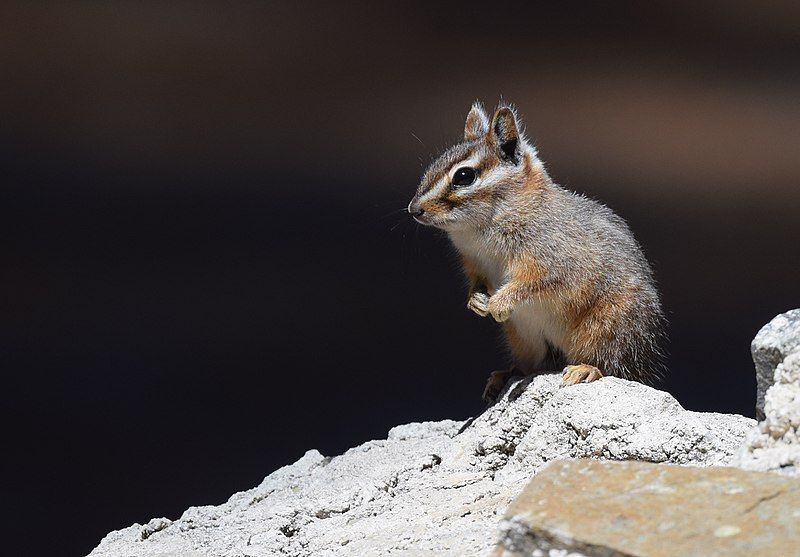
(464, 176)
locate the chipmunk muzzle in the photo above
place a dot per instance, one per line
(416, 211)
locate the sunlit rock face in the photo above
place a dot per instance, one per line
(444, 488)
(439, 487)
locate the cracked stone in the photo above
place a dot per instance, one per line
(638, 509)
(439, 488)
(775, 444)
(432, 490)
(776, 340)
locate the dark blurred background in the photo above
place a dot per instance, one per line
(207, 267)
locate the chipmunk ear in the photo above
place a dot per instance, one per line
(505, 134)
(477, 123)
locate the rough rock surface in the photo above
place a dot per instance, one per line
(429, 490)
(594, 508)
(773, 343)
(775, 443)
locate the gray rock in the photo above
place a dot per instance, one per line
(775, 444)
(776, 340)
(429, 490)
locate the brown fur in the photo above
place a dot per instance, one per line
(560, 271)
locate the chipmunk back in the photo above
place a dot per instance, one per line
(561, 272)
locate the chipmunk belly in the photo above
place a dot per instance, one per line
(536, 322)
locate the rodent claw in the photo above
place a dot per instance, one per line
(581, 373)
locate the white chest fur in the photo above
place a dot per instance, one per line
(534, 321)
(492, 265)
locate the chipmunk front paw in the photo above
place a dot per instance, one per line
(500, 308)
(582, 373)
(479, 303)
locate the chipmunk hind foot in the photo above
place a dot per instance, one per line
(497, 382)
(581, 373)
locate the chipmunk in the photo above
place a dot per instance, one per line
(561, 272)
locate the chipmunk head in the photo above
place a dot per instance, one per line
(466, 184)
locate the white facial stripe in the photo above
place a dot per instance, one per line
(471, 162)
(437, 190)
(441, 187)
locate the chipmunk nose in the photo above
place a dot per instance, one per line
(414, 209)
